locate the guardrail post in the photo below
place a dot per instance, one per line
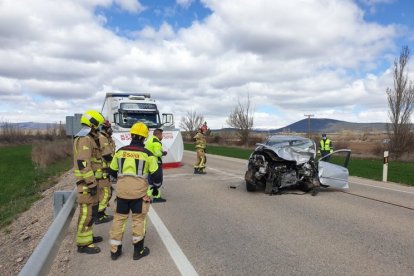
(385, 167)
(59, 199)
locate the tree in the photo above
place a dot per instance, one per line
(400, 102)
(191, 121)
(241, 118)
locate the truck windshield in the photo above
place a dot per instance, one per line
(127, 119)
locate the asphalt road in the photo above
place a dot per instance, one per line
(211, 229)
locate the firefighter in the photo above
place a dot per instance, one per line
(131, 165)
(107, 147)
(88, 171)
(200, 145)
(325, 147)
(154, 145)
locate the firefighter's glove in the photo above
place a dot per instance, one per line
(93, 191)
(164, 153)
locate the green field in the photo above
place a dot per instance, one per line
(399, 172)
(21, 181)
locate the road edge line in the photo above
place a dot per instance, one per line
(180, 260)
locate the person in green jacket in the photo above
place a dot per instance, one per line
(154, 145)
(325, 147)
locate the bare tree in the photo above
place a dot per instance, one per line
(400, 102)
(241, 118)
(191, 121)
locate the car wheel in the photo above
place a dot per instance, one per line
(306, 187)
(250, 186)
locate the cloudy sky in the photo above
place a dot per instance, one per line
(330, 58)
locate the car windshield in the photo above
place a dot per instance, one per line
(297, 142)
(127, 119)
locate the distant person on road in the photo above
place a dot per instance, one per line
(200, 145)
(107, 147)
(88, 171)
(154, 145)
(131, 165)
(325, 147)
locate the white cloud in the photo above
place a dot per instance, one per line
(184, 3)
(295, 56)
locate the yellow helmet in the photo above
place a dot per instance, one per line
(92, 119)
(139, 129)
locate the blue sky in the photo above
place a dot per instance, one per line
(154, 14)
(330, 58)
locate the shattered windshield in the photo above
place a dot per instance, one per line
(127, 119)
(292, 147)
(299, 142)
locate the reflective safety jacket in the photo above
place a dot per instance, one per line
(131, 165)
(107, 152)
(200, 141)
(87, 159)
(154, 145)
(326, 145)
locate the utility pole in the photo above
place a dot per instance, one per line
(309, 116)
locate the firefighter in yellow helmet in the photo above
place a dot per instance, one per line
(107, 147)
(131, 166)
(200, 145)
(88, 171)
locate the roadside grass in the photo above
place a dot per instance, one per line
(224, 151)
(399, 172)
(22, 181)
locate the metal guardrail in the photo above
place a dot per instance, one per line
(42, 257)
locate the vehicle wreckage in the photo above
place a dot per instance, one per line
(284, 162)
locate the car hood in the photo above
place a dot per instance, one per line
(300, 154)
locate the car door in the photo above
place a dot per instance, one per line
(335, 173)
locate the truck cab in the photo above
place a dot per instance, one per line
(125, 109)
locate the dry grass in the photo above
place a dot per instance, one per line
(46, 153)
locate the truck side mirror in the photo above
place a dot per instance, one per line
(167, 119)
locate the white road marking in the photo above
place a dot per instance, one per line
(373, 186)
(181, 261)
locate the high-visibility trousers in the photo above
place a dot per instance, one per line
(139, 209)
(84, 234)
(201, 159)
(104, 193)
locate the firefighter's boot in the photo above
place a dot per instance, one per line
(140, 250)
(196, 170)
(118, 253)
(97, 239)
(103, 218)
(89, 249)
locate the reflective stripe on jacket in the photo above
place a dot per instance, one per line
(200, 141)
(87, 159)
(326, 145)
(134, 161)
(132, 164)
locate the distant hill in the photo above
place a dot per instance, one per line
(329, 125)
(29, 125)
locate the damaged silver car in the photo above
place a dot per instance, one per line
(284, 162)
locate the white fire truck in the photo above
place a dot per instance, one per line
(125, 109)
